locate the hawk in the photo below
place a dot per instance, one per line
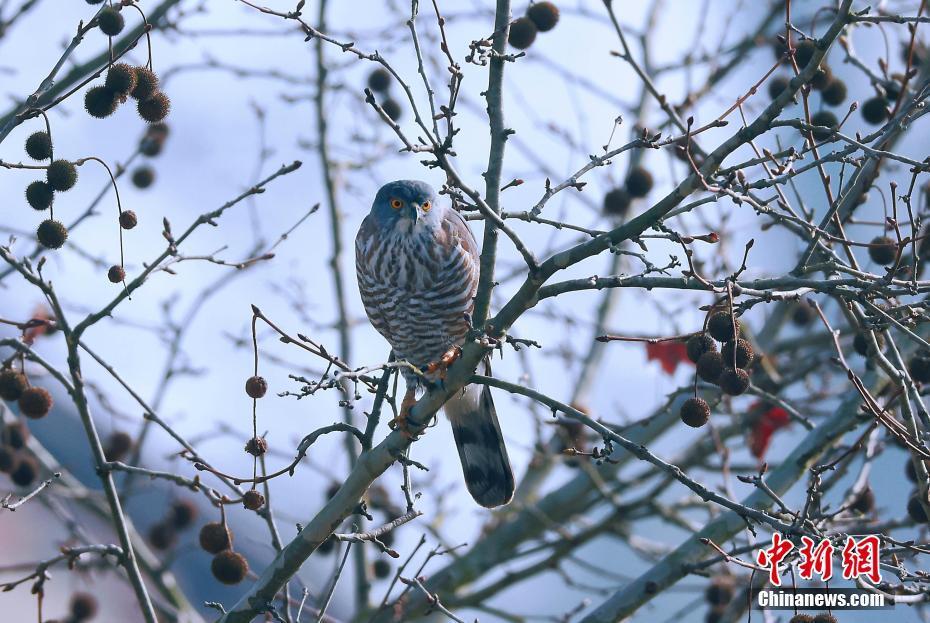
(417, 264)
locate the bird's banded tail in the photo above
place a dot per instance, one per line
(480, 443)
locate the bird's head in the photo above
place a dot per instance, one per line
(406, 203)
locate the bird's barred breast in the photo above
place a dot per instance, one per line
(417, 293)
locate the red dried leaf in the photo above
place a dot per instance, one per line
(771, 420)
(669, 354)
(39, 325)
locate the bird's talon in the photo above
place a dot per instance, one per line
(399, 423)
(445, 362)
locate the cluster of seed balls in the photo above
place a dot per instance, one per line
(15, 461)
(34, 403)
(637, 185)
(726, 368)
(380, 81)
(540, 17)
(60, 176)
(833, 91)
(228, 566)
(83, 607)
(256, 387)
(151, 145)
(163, 535)
(122, 82)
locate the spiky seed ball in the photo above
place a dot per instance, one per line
(719, 592)
(256, 446)
(777, 85)
(803, 314)
(61, 175)
(121, 79)
(919, 367)
(12, 384)
(8, 459)
(381, 568)
(874, 110)
(821, 78)
(379, 80)
(253, 500)
(864, 502)
(698, 344)
(128, 219)
(617, 202)
(111, 22)
(118, 446)
(39, 146)
(803, 53)
(39, 195)
(163, 536)
(229, 567)
(146, 83)
(215, 537)
(392, 109)
(154, 140)
(802, 618)
(744, 353)
(883, 250)
(720, 326)
(824, 617)
(143, 177)
(35, 403)
(182, 513)
(734, 381)
(544, 15)
(862, 345)
(694, 412)
(709, 366)
(16, 435)
(51, 234)
(26, 471)
(522, 33)
(83, 606)
(916, 510)
(834, 93)
(116, 273)
(154, 108)
(256, 386)
(639, 182)
(100, 102)
(829, 122)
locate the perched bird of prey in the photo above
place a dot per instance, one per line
(417, 265)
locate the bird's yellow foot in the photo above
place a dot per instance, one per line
(400, 422)
(441, 366)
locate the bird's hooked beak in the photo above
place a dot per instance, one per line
(412, 211)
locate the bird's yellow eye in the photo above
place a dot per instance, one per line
(397, 204)
(426, 206)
